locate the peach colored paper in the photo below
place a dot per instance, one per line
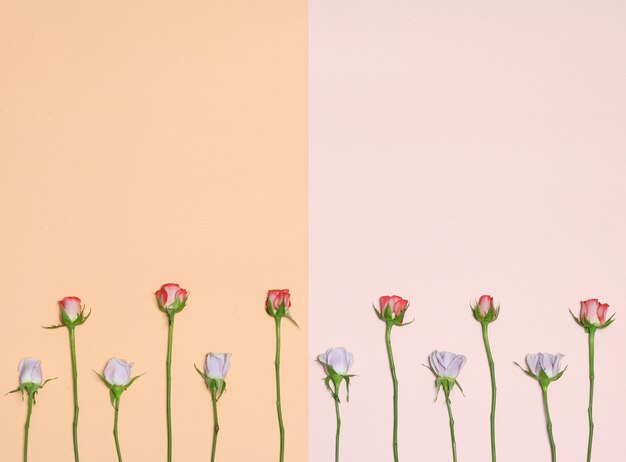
(140, 143)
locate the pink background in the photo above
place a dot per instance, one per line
(458, 148)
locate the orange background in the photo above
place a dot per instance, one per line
(141, 143)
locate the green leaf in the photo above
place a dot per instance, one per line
(576, 319)
(132, 381)
(559, 375)
(377, 311)
(20, 389)
(528, 373)
(48, 380)
(404, 324)
(607, 323)
(56, 326)
(288, 316)
(104, 380)
(460, 388)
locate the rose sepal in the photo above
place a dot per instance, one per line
(447, 383)
(31, 388)
(176, 307)
(81, 318)
(217, 387)
(336, 379)
(588, 326)
(280, 312)
(388, 316)
(543, 378)
(115, 391)
(490, 317)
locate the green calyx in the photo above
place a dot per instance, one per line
(588, 326)
(491, 315)
(389, 317)
(281, 312)
(67, 322)
(115, 391)
(543, 378)
(31, 388)
(176, 307)
(447, 383)
(336, 379)
(216, 386)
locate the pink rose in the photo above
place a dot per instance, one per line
(593, 312)
(171, 296)
(397, 306)
(277, 298)
(71, 306)
(484, 303)
(483, 307)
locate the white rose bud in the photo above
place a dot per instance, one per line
(217, 365)
(118, 372)
(445, 364)
(339, 359)
(30, 371)
(550, 364)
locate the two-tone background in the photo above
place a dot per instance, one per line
(342, 149)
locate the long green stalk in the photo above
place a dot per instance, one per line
(278, 402)
(592, 334)
(492, 372)
(544, 390)
(168, 372)
(117, 440)
(452, 438)
(392, 366)
(75, 385)
(216, 424)
(337, 435)
(27, 426)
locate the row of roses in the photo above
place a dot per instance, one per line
(545, 368)
(117, 374)
(446, 366)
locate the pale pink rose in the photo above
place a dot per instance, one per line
(485, 302)
(593, 311)
(118, 372)
(277, 297)
(30, 371)
(398, 305)
(71, 306)
(168, 294)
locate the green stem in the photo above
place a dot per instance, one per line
(278, 403)
(336, 397)
(592, 334)
(449, 405)
(75, 385)
(216, 424)
(544, 389)
(392, 366)
(492, 372)
(117, 440)
(168, 373)
(27, 426)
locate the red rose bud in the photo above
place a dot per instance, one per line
(593, 313)
(171, 298)
(485, 310)
(278, 302)
(72, 311)
(392, 308)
